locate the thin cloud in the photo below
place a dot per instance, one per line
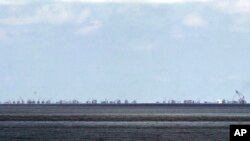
(22, 2)
(48, 14)
(13, 2)
(136, 1)
(92, 27)
(239, 10)
(233, 6)
(194, 20)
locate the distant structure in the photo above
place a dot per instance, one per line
(118, 101)
(188, 102)
(241, 97)
(105, 102)
(126, 102)
(94, 101)
(134, 102)
(88, 102)
(240, 100)
(172, 102)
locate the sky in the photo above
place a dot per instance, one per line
(147, 50)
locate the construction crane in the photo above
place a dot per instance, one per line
(241, 97)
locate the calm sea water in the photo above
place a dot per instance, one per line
(122, 131)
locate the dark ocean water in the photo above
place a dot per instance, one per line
(120, 130)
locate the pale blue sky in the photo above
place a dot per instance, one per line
(104, 49)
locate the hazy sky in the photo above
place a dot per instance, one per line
(105, 49)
